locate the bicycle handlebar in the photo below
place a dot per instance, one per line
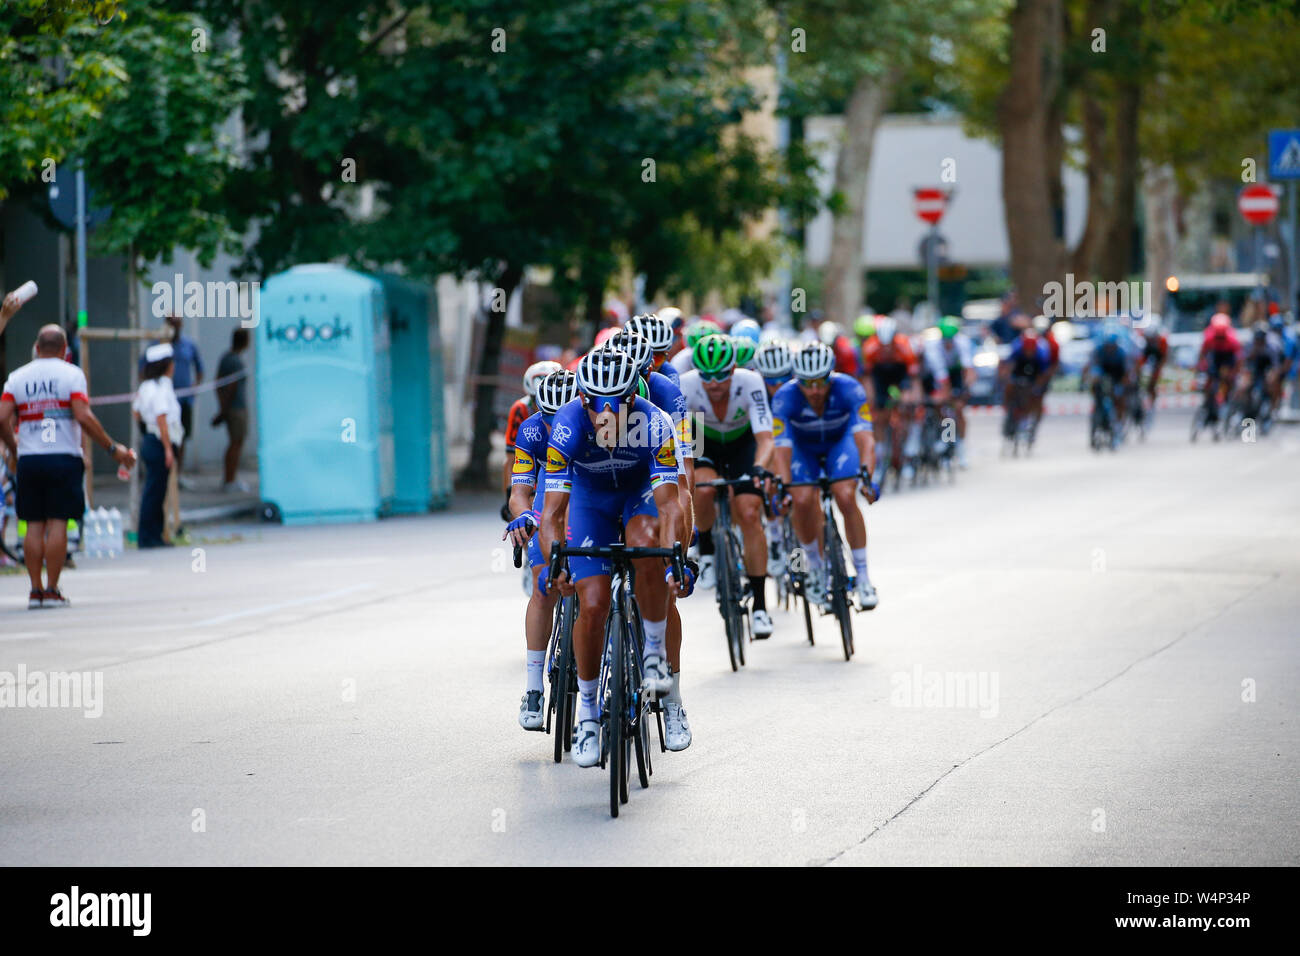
(620, 554)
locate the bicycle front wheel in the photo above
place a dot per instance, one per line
(617, 707)
(840, 588)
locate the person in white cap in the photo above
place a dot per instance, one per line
(50, 398)
(160, 418)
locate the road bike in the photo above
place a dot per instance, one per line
(626, 707)
(732, 591)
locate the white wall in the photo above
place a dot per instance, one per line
(909, 152)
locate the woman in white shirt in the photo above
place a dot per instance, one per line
(160, 417)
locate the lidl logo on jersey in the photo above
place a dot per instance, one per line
(555, 462)
(308, 334)
(864, 411)
(524, 463)
(778, 427)
(667, 453)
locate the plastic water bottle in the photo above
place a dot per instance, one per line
(101, 519)
(92, 533)
(116, 542)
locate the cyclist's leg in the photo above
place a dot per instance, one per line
(805, 465)
(842, 467)
(705, 511)
(641, 519)
(538, 620)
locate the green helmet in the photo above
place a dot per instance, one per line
(865, 327)
(714, 354)
(642, 388)
(744, 350)
(696, 331)
(949, 326)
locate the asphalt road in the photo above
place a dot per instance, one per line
(349, 694)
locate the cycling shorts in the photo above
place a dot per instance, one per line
(837, 461)
(598, 519)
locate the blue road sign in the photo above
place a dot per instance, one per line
(1284, 154)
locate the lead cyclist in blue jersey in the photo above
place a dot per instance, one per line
(526, 492)
(822, 426)
(611, 467)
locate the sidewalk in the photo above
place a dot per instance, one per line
(207, 502)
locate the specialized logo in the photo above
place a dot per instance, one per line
(555, 461)
(561, 433)
(524, 463)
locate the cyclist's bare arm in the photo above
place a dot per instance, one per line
(764, 447)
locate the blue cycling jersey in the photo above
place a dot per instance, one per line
(669, 371)
(645, 455)
(1025, 364)
(530, 454)
(794, 422)
(1112, 362)
(665, 393)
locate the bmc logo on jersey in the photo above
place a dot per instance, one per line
(524, 463)
(667, 453)
(555, 461)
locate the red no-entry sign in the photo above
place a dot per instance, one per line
(1258, 204)
(930, 204)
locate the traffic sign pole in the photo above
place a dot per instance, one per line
(932, 269)
(1294, 304)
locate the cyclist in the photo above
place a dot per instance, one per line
(774, 360)
(1023, 372)
(864, 328)
(1155, 352)
(1110, 362)
(1043, 326)
(846, 356)
(822, 426)
(526, 492)
(730, 404)
(662, 392)
(660, 335)
(950, 371)
(1263, 361)
(519, 411)
(611, 468)
(1220, 359)
(744, 348)
(1288, 349)
(890, 367)
(692, 333)
(748, 329)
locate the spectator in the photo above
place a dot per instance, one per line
(160, 417)
(234, 409)
(53, 407)
(189, 372)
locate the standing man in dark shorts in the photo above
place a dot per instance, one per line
(53, 407)
(234, 408)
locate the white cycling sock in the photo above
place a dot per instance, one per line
(675, 695)
(536, 660)
(587, 709)
(860, 563)
(654, 636)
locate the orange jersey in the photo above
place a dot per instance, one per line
(899, 352)
(519, 413)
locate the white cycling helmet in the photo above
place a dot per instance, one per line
(558, 388)
(607, 372)
(652, 327)
(773, 360)
(886, 329)
(814, 360)
(829, 331)
(534, 374)
(670, 314)
(635, 345)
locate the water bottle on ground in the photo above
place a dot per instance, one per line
(116, 537)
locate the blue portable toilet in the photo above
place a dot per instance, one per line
(419, 430)
(324, 403)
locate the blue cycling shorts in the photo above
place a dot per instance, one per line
(597, 519)
(841, 457)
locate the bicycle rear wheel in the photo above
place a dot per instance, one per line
(564, 681)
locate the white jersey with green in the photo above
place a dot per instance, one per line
(747, 410)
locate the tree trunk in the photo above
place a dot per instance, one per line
(1115, 257)
(1023, 116)
(1160, 194)
(843, 285)
(1083, 261)
(476, 473)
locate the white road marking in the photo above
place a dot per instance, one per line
(296, 602)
